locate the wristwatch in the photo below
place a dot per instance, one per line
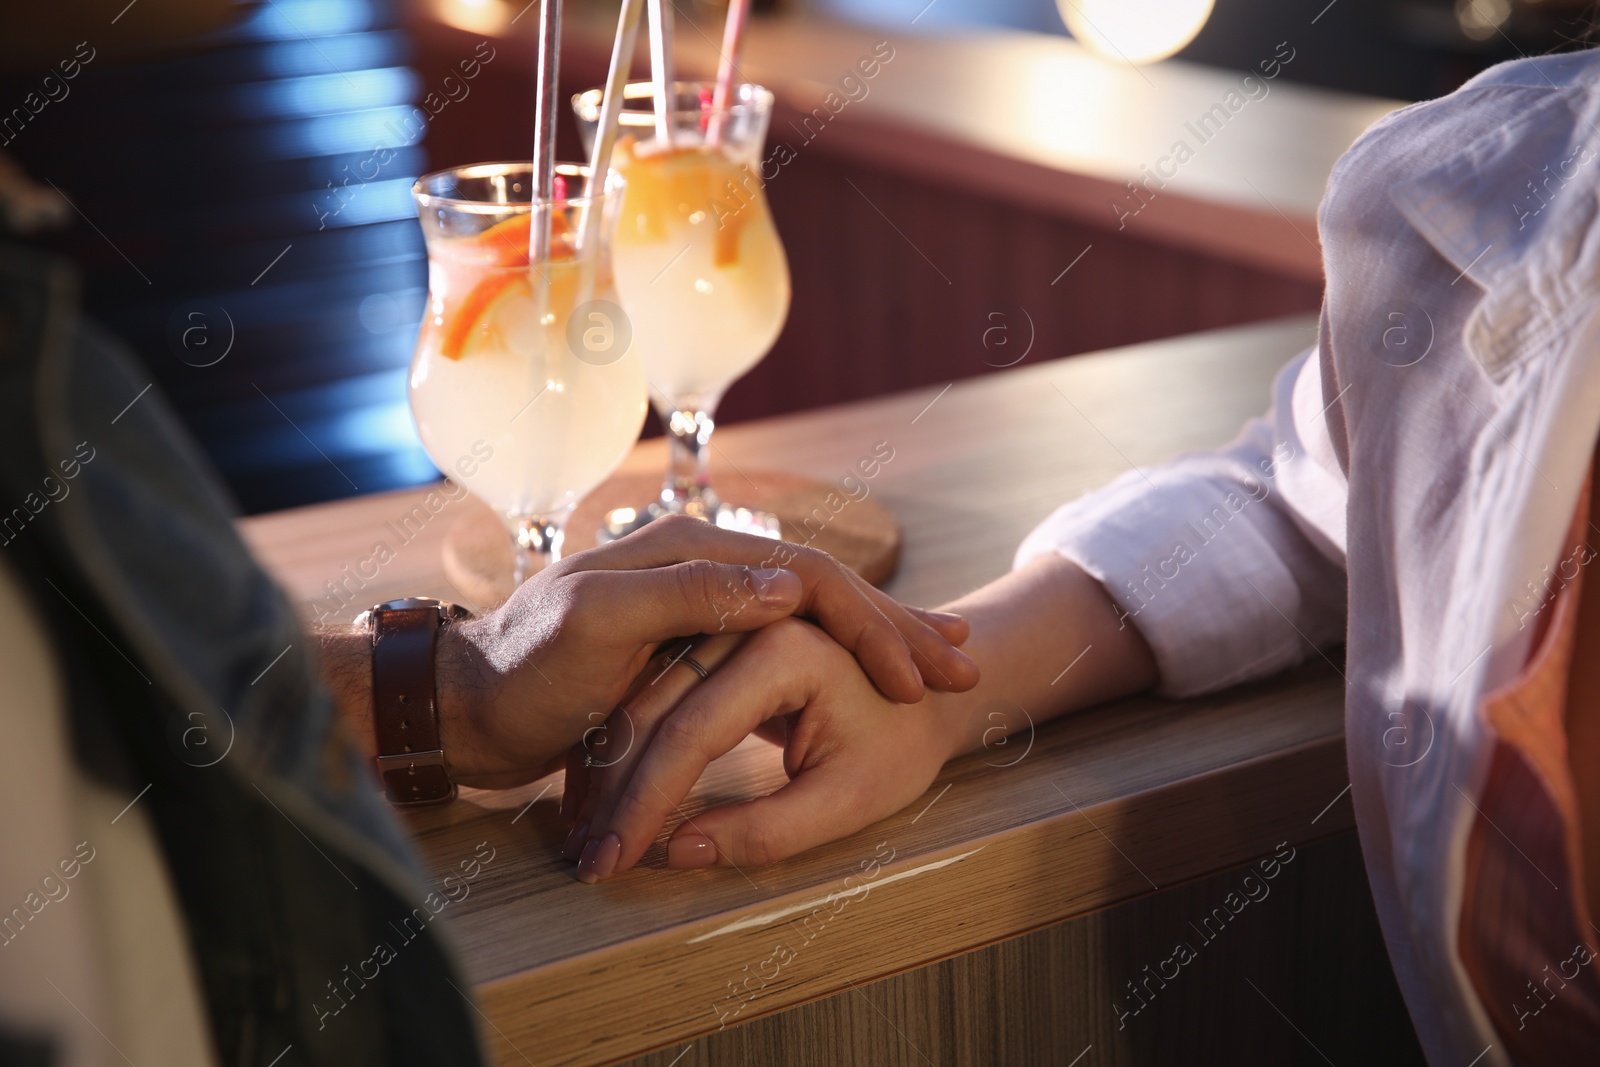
(405, 697)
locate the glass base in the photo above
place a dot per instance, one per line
(535, 544)
(624, 521)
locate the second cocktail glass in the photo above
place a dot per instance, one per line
(701, 271)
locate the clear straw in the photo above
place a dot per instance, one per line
(661, 68)
(732, 40)
(605, 140)
(544, 130)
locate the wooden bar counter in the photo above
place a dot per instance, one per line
(1028, 908)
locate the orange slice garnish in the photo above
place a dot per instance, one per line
(507, 241)
(471, 313)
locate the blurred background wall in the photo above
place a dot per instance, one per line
(1408, 49)
(239, 226)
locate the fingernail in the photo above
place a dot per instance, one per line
(776, 588)
(944, 616)
(574, 846)
(600, 859)
(586, 864)
(688, 851)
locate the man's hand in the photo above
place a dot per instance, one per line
(522, 684)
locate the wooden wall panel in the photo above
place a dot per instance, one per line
(1299, 978)
(901, 282)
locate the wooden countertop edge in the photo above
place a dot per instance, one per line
(691, 980)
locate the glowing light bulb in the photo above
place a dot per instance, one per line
(1136, 31)
(1482, 20)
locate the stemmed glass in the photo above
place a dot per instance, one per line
(523, 386)
(701, 271)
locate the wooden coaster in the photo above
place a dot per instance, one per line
(860, 533)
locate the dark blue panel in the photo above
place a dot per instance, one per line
(252, 197)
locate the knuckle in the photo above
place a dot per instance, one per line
(581, 586)
(683, 733)
(701, 584)
(629, 811)
(673, 527)
(815, 559)
(575, 601)
(788, 631)
(761, 843)
(858, 795)
(790, 635)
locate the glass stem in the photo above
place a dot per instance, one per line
(535, 544)
(688, 485)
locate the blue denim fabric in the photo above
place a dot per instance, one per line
(287, 862)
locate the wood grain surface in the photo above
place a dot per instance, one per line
(1089, 812)
(1298, 978)
(842, 521)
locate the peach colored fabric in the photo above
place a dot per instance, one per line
(1526, 936)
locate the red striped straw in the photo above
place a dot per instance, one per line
(732, 39)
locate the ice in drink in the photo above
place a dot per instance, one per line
(494, 371)
(699, 265)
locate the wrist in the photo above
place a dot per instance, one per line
(949, 725)
(463, 692)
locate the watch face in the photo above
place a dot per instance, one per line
(448, 612)
(410, 602)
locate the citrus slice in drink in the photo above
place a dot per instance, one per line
(498, 313)
(506, 242)
(486, 313)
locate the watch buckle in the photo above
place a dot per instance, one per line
(407, 763)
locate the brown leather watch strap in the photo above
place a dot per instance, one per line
(405, 707)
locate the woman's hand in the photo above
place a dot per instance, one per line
(524, 683)
(852, 756)
(1049, 639)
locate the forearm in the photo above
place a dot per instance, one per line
(344, 656)
(1048, 640)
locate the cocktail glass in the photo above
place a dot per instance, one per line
(701, 271)
(523, 386)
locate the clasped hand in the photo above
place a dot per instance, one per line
(526, 683)
(852, 755)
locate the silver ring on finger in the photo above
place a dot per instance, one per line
(680, 654)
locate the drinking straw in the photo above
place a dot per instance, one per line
(605, 136)
(661, 68)
(611, 97)
(544, 129)
(732, 39)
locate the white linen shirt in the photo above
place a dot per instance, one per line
(1423, 461)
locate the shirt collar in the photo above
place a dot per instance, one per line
(1513, 212)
